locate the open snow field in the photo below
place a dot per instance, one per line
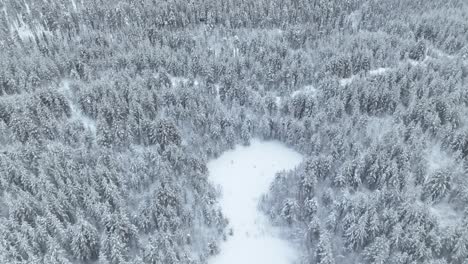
(244, 174)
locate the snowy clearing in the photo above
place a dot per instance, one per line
(446, 215)
(308, 89)
(26, 31)
(278, 100)
(244, 174)
(76, 113)
(384, 70)
(74, 4)
(437, 158)
(346, 81)
(374, 72)
(379, 71)
(378, 127)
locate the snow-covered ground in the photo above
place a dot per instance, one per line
(76, 114)
(74, 4)
(385, 70)
(443, 211)
(278, 100)
(346, 81)
(374, 72)
(25, 32)
(244, 174)
(379, 71)
(308, 89)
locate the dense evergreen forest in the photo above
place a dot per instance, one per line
(110, 110)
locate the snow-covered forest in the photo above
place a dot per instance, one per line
(111, 110)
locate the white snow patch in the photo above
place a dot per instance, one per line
(76, 114)
(354, 19)
(73, 4)
(379, 71)
(443, 211)
(278, 100)
(464, 115)
(28, 10)
(445, 214)
(308, 89)
(437, 53)
(378, 127)
(176, 81)
(244, 174)
(423, 62)
(438, 159)
(217, 91)
(24, 32)
(414, 62)
(383, 70)
(346, 81)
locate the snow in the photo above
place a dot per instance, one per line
(76, 114)
(445, 214)
(74, 4)
(384, 70)
(24, 32)
(437, 158)
(217, 91)
(243, 175)
(378, 127)
(176, 81)
(278, 100)
(379, 71)
(346, 81)
(27, 7)
(437, 53)
(308, 89)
